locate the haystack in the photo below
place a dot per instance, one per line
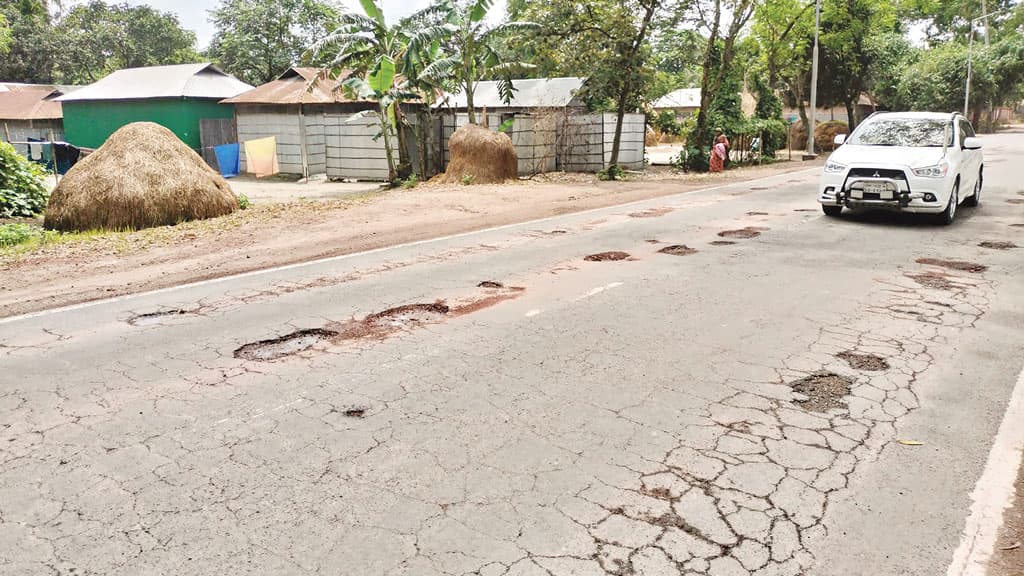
(142, 176)
(482, 155)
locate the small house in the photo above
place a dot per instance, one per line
(177, 97)
(31, 111)
(683, 103)
(295, 109)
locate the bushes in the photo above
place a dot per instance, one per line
(22, 190)
(666, 123)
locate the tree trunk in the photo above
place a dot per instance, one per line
(469, 102)
(627, 86)
(404, 168)
(620, 114)
(851, 115)
(385, 127)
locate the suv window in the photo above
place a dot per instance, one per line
(911, 132)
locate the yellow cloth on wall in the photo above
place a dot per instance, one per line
(261, 157)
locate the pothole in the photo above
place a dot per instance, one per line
(1020, 225)
(1016, 201)
(653, 241)
(760, 187)
(867, 362)
(651, 213)
(998, 245)
(155, 318)
(408, 315)
(954, 264)
(490, 284)
(677, 250)
(556, 232)
(356, 412)
(824, 391)
(936, 280)
(276, 348)
(757, 213)
(607, 256)
(748, 232)
(722, 243)
(805, 210)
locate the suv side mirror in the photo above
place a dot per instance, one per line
(839, 140)
(972, 143)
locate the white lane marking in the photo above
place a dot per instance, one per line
(598, 290)
(993, 493)
(532, 313)
(311, 263)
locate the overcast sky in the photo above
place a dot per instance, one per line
(192, 13)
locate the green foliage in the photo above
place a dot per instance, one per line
(613, 172)
(32, 47)
(14, 234)
(22, 189)
(5, 35)
(411, 182)
(243, 201)
(666, 123)
(467, 179)
(693, 159)
(98, 38)
(256, 40)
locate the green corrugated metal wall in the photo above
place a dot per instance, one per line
(88, 124)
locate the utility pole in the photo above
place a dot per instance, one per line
(970, 56)
(814, 84)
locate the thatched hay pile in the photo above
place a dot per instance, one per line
(481, 155)
(142, 176)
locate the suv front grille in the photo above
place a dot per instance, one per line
(877, 173)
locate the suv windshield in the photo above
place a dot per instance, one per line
(903, 132)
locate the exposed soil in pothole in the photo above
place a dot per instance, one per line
(607, 256)
(722, 243)
(867, 362)
(936, 280)
(651, 213)
(276, 348)
(998, 245)
(1018, 225)
(356, 412)
(490, 284)
(805, 210)
(954, 264)
(677, 250)
(156, 318)
(760, 188)
(1016, 201)
(824, 391)
(653, 241)
(408, 315)
(748, 232)
(757, 213)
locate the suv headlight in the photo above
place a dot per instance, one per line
(834, 167)
(937, 171)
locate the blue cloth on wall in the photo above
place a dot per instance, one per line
(227, 159)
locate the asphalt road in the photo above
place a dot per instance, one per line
(662, 414)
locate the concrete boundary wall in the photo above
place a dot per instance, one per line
(587, 139)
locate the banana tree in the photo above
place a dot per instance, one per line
(474, 49)
(377, 52)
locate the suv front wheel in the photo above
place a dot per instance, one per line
(949, 214)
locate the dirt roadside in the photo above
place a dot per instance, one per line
(1008, 557)
(265, 236)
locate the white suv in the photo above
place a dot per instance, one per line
(910, 161)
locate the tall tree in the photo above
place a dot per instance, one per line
(31, 50)
(98, 38)
(608, 41)
(5, 35)
(782, 31)
(723, 20)
(257, 40)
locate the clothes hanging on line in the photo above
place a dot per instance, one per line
(261, 157)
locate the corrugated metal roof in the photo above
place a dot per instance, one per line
(296, 86)
(683, 98)
(30, 104)
(533, 93)
(179, 81)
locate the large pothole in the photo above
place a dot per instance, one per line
(953, 264)
(936, 280)
(868, 362)
(276, 348)
(824, 391)
(677, 250)
(408, 315)
(748, 232)
(607, 256)
(995, 245)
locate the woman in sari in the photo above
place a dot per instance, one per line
(719, 151)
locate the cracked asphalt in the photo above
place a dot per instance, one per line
(555, 416)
